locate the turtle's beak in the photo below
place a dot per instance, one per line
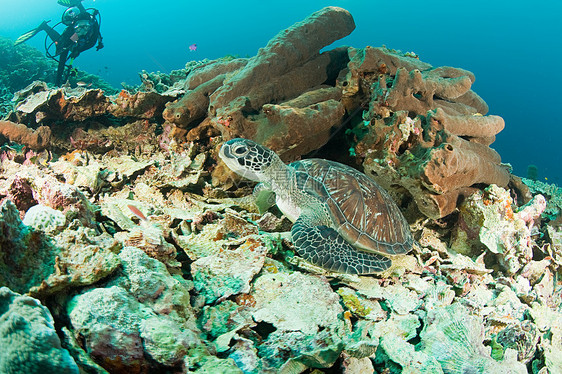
(232, 161)
(224, 152)
(226, 155)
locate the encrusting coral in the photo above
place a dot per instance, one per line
(150, 257)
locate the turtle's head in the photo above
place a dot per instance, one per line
(248, 158)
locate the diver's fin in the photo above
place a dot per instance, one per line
(28, 35)
(69, 3)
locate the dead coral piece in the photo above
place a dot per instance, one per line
(489, 215)
(145, 105)
(228, 273)
(306, 330)
(455, 338)
(64, 197)
(84, 258)
(35, 139)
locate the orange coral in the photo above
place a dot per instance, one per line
(124, 95)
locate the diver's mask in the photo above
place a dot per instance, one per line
(70, 15)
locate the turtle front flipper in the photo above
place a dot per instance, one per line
(324, 247)
(264, 197)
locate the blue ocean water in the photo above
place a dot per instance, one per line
(513, 48)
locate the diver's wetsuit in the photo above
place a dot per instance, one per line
(81, 35)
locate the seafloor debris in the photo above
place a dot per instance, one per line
(147, 256)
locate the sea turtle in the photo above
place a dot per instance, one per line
(343, 220)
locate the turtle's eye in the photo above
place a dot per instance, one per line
(240, 150)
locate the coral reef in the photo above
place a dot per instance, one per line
(425, 131)
(139, 253)
(22, 65)
(28, 338)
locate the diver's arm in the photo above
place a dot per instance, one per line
(100, 38)
(100, 42)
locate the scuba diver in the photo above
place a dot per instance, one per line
(81, 33)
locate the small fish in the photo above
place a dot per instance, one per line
(83, 84)
(193, 47)
(137, 212)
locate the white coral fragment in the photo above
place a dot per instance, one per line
(42, 217)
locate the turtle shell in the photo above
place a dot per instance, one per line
(363, 213)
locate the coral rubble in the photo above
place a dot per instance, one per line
(138, 252)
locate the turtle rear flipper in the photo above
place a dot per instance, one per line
(323, 246)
